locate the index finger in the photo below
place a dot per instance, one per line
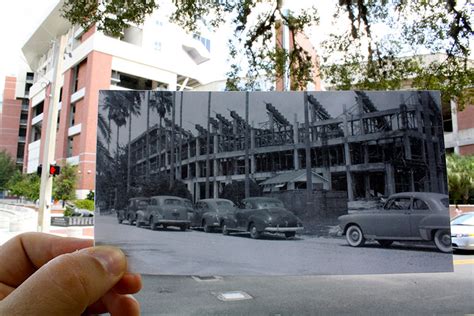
(22, 255)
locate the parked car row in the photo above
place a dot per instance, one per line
(257, 215)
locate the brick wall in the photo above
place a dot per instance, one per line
(466, 118)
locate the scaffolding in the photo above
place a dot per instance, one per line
(364, 151)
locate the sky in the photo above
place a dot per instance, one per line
(18, 20)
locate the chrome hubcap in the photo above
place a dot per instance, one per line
(355, 235)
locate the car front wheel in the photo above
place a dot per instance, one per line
(290, 234)
(442, 240)
(354, 236)
(206, 227)
(254, 233)
(138, 223)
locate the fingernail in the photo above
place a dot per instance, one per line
(112, 259)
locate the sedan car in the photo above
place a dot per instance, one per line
(165, 211)
(462, 231)
(409, 216)
(209, 213)
(129, 214)
(260, 215)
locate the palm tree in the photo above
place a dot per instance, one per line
(164, 102)
(172, 157)
(133, 100)
(117, 112)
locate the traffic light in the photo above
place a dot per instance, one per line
(54, 170)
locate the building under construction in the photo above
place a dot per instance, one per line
(365, 151)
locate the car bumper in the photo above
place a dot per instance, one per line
(282, 229)
(462, 242)
(173, 222)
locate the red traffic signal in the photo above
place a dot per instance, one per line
(54, 170)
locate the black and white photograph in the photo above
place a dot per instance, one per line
(273, 183)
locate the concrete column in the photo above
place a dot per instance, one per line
(412, 180)
(296, 160)
(189, 160)
(198, 190)
(215, 166)
(215, 189)
(253, 166)
(389, 179)
(347, 156)
(198, 169)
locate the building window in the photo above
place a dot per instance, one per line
(205, 41)
(75, 79)
(39, 108)
(30, 76)
(72, 115)
(59, 116)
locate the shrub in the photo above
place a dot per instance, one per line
(85, 204)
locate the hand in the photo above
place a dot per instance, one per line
(42, 274)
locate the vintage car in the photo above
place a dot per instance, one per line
(208, 213)
(165, 211)
(409, 216)
(462, 231)
(129, 214)
(259, 215)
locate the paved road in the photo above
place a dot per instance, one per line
(374, 294)
(399, 294)
(198, 253)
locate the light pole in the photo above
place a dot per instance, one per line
(44, 211)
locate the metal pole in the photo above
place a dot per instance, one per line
(309, 176)
(46, 187)
(247, 178)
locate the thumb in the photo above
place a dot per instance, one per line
(69, 283)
